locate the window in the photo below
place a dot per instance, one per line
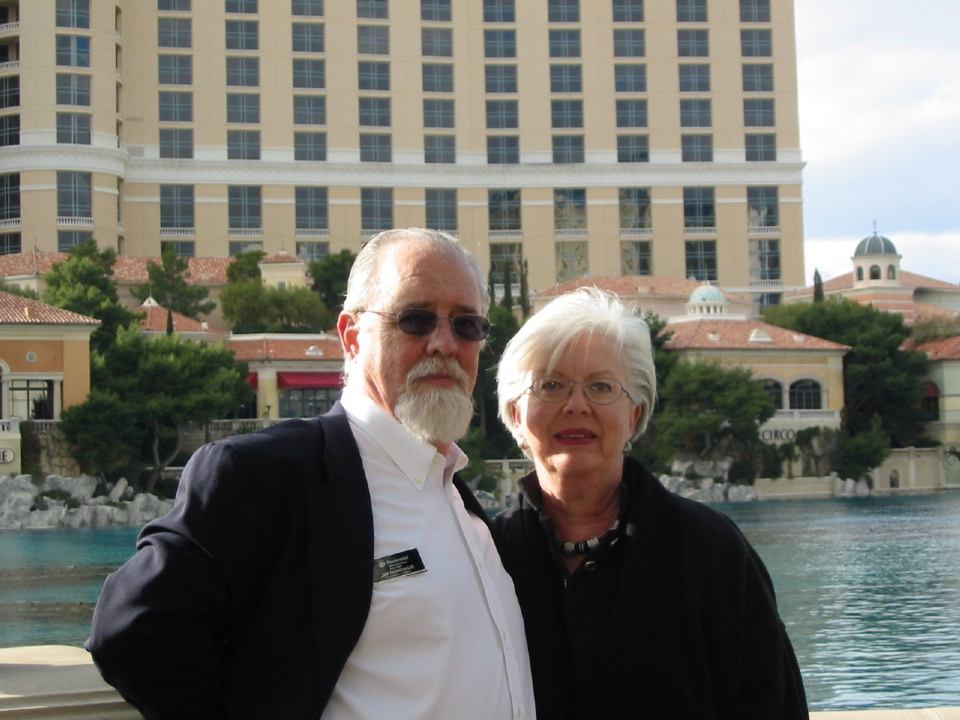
(498, 11)
(631, 113)
(633, 148)
(179, 248)
(312, 250)
(74, 197)
(373, 39)
(73, 13)
(441, 209)
(569, 208)
(506, 259)
(243, 144)
(372, 9)
(500, 78)
(756, 43)
(172, 70)
(310, 146)
(177, 206)
(758, 78)
(696, 148)
(571, 260)
(10, 243)
(438, 113)
(244, 207)
(435, 10)
(754, 10)
(73, 51)
(503, 149)
(805, 395)
(73, 128)
(502, 114)
(635, 208)
(630, 78)
(176, 143)
(563, 10)
(309, 110)
(69, 239)
(628, 10)
(875, 273)
(695, 113)
(568, 149)
(308, 37)
(694, 78)
(373, 75)
(174, 32)
(764, 259)
(759, 112)
(503, 211)
(307, 7)
(564, 43)
(439, 149)
(375, 112)
(243, 34)
(629, 43)
(566, 79)
(699, 207)
(693, 43)
(9, 130)
(307, 402)
(173, 4)
(32, 399)
(891, 272)
(10, 91)
(312, 208)
(436, 42)
(437, 78)
(243, 71)
(375, 147)
(309, 73)
(701, 259)
(691, 10)
(763, 207)
(376, 209)
(566, 113)
(775, 391)
(71, 89)
(760, 147)
(243, 108)
(241, 6)
(500, 43)
(636, 257)
(236, 247)
(10, 197)
(175, 106)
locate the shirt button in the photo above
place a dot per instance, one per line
(590, 566)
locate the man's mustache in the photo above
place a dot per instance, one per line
(439, 366)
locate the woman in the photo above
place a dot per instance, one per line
(637, 603)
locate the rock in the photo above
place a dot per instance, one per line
(861, 488)
(80, 488)
(119, 488)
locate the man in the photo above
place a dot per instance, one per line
(336, 567)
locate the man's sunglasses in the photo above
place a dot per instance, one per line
(414, 321)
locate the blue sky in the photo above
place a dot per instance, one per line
(880, 131)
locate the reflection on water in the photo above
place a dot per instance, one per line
(869, 589)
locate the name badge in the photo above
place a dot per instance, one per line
(398, 565)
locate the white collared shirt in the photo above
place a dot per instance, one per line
(447, 642)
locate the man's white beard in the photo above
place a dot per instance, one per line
(435, 414)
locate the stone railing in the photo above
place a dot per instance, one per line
(57, 682)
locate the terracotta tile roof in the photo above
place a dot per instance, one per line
(15, 310)
(285, 347)
(154, 319)
(635, 286)
(735, 334)
(946, 349)
(29, 264)
(126, 270)
(908, 280)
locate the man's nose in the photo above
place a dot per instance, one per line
(442, 341)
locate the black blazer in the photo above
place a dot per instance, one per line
(247, 598)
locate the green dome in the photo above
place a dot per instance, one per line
(875, 245)
(707, 294)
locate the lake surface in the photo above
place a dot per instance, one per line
(869, 589)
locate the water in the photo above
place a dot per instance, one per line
(869, 589)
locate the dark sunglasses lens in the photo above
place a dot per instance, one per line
(417, 322)
(471, 327)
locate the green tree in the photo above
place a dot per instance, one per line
(504, 326)
(169, 284)
(83, 283)
(330, 278)
(817, 286)
(880, 378)
(14, 289)
(858, 454)
(245, 266)
(252, 307)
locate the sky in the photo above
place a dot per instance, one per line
(879, 84)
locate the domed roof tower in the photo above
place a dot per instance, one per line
(876, 262)
(707, 299)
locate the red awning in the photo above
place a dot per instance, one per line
(252, 380)
(931, 391)
(309, 380)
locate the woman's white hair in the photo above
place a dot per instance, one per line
(544, 338)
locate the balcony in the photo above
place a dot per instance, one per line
(10, 28)
(312, 232)
(10, 224)
(636, 233)
(184, 232)
(10, 67)
(246, 232)
(570, 233)
(700, 231)
(69, 221)
(764, 230)
(495, 235)
(766, 284)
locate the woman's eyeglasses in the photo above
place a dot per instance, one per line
(414, 321)
(601, 391)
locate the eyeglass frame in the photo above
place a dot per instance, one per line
(583, 383)
(485, 325)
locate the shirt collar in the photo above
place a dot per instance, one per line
(412, 455)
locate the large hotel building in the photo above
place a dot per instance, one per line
(585, 137)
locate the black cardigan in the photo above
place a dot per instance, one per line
(676, 620)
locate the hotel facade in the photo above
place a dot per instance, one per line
(609, 137)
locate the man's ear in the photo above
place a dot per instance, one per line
(348, 330)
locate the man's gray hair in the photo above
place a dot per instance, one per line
(545, 337)
(363, 284)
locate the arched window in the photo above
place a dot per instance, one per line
(891, 272)
(859, 273)
(875, 273)
(775, 391)
(931, 401)
(805, 395)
